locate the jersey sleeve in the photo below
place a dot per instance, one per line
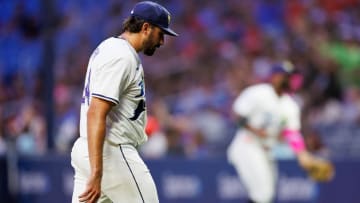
(292, 116)
(111, 79)
(245, 102)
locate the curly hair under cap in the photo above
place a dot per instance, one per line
(133, 24)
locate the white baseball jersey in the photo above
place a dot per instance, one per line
(115, 74)
(264, 109)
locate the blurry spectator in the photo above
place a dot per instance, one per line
(2, 136)
(156, 145)
(315, 144)
(66, 119)
(197, 147)
(27, 127)
(175, 147)
(209, 129)
(2, 146)
(351, 106)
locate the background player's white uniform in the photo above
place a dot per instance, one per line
(115, 74)
(250, 154)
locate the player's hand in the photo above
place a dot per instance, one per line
(92, 191)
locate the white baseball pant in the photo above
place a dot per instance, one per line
(125, 178)
(254, 166)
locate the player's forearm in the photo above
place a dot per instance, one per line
(305, 159)
(96, 134)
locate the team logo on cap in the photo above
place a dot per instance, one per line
(288, 66)
(169, 18)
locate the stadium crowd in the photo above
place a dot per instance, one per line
(223, 47)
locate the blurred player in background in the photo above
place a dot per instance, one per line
(107, 165)
(267, 114)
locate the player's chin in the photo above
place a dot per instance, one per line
(150, 51)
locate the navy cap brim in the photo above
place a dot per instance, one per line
(169, 31)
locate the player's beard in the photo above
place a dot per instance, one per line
(285, 85)
(150, 45)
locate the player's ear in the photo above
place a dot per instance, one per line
(146, 27)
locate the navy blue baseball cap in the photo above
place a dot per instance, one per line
(155, 14)
(284, 67)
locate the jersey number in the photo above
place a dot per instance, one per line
(86, 94)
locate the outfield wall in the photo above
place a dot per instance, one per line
(49, 179)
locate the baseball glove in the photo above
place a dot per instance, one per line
(321, 170)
